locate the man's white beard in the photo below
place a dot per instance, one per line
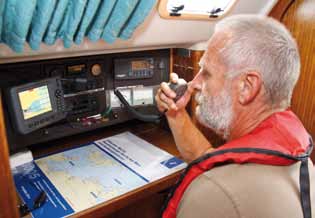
(215, 112)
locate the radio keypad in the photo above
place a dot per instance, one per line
(59, 101)
(46, 120)
(140, 74)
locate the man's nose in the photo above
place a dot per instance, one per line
(196, 83)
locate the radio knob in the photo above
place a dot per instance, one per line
(162, 65)
(46, 132)
(96, 69)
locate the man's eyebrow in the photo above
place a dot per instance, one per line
(201, 62)
(203, 66)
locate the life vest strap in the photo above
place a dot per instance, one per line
(305, 193)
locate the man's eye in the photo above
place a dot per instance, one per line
(206, 74)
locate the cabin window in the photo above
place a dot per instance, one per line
(195, 9)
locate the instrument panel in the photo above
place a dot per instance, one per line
(88, 85)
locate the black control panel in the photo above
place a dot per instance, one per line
(87, 89)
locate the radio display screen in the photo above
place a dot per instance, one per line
(35, 102)
(76, 69)
(139, 65)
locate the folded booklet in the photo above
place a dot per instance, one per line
(82, 177)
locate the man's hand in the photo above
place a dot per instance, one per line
(190, 142)
(165, 96)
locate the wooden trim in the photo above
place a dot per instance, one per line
(162, 9)
(171, 59)
(280, 8)
(8, 199)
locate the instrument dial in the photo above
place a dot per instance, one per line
(96, 69)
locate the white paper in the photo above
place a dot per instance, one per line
(115, 102)
(142, 96)
(20, 158)
(147, 160)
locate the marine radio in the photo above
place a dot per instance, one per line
(140, 68)
(37, 104)
(51, 99)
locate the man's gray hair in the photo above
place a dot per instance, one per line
(262, 44)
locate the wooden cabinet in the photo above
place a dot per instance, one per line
(296, 17)
(8, 200)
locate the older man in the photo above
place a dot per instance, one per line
(244, 88)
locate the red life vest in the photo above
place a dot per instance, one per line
(279, 140)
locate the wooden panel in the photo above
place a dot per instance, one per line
(149, 207)
(280, 8)
(8, 201)
(303, 29)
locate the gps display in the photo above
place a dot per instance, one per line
(37, 104)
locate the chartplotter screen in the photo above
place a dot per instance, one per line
(35, 102)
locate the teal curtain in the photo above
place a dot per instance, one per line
(37, 21)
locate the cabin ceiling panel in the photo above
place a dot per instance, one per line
(154, 33)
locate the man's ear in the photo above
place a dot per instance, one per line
(250, 85)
